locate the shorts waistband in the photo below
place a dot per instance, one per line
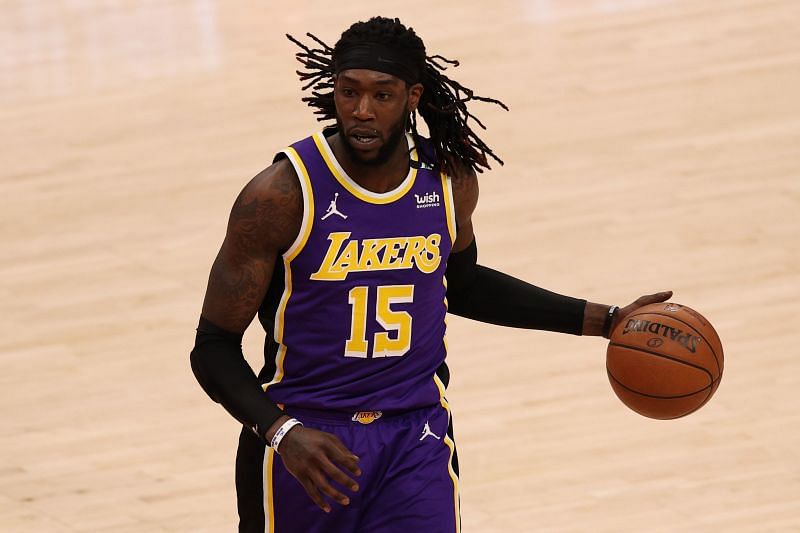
(363, 417)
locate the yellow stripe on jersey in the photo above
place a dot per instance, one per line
(456, 503)
(446, 307)
(358, 191)
(442, 399)
(449, 206)
(308, 205)
(293, 251)
(451, 445)
(269, 501)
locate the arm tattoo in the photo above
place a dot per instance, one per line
(264, 221)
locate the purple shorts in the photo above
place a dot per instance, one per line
(408, 483)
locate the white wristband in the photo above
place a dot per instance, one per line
(282, 431)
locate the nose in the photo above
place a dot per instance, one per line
(363, 109)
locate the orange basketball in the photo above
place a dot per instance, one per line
(664, 360)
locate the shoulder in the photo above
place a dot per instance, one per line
(464, 182)
(270, 206)
(276, 187)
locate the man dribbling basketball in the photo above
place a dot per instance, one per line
(351, 247)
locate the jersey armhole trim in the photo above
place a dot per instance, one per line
(293, 251)
(449, 206)
(308, 205)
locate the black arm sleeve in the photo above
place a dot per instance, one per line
(220, 368)
(483, 294)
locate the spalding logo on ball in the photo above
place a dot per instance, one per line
(664, 360)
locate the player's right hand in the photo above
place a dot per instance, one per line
(312, 457)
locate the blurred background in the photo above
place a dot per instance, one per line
(650, 145)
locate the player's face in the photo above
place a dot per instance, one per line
(372, 109)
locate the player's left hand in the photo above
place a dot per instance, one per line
(647, 299)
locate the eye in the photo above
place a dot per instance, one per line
(383, 96)
(347, 91)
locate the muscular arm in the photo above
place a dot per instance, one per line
(264, 220)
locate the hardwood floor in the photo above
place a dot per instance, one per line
(651, 144)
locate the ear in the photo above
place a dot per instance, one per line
(414, 94)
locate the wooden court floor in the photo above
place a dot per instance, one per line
(651, 144)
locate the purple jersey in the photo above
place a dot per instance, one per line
(361, 321)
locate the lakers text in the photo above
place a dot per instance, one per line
(346, 255)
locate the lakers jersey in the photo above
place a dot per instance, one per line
(360, 322)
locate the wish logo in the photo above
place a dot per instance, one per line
(430, 199)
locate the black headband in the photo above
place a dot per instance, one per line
(378, 57)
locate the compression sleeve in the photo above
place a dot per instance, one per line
(219, 366)
(480, 293)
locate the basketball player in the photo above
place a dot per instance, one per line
(351, 247)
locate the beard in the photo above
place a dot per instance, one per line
(396, 134)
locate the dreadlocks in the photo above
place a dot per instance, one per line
(443, 105)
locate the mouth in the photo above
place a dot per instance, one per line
(363, 138)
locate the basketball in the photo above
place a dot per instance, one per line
(664, 360)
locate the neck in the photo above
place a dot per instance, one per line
(378, 178)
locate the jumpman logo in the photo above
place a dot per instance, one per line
(426, 432)
(332, 209)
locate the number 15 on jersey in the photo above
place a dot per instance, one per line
(392, 321)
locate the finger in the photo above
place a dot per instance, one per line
(338, 476)
(344, 457)
(322, 484)
(657, 297)
(351, 465)
(315, 496)
(349, 462)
